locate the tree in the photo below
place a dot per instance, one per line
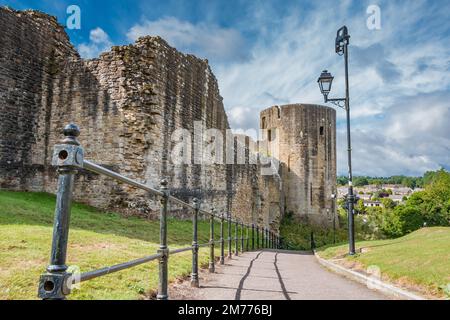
(410, 218)
(360, 181)
(360, 208)
(342, 180)
(388, 203)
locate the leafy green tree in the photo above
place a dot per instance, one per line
(388, 203)
(410, 218)
(342, 180)
(360, 181)
(360, 208)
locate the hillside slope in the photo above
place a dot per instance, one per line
(419, 260)
(96, 239)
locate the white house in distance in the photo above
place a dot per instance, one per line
(365, 193)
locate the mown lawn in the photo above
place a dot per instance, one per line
(97, 239)
(420, 259)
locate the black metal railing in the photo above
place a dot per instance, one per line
(68, 157)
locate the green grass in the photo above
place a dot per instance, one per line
(96, 239)
(420, 259)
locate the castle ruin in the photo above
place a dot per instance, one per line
(127, 103)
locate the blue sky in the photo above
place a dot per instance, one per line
(271, 52)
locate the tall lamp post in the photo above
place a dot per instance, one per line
(325, 80)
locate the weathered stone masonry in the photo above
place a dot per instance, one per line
(307, 152)
(127, 104)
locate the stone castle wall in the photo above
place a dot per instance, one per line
(128, 102)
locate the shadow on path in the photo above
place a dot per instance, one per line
(257, 290)
(280, 279)
(241, 283)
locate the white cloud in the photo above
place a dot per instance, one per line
(99, 42)
(390, 136)
(399, 75)
(206, 40)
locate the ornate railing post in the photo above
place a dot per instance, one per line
(262, 237)
(247, 232)
(242, 236)
(163, 249)
(274, 240)
(271, 239)
(265, 238)
(236, 239)
(194, 274)
(211, 243)
(257, 237)
(68, 157)
(222, 240)
(230, 249)
(253, 236)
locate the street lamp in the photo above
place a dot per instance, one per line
(325, 81)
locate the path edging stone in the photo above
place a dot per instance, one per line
(379, 285)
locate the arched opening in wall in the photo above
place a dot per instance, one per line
(278, 112)
(269, 135)
(321, 130)
(263, 123)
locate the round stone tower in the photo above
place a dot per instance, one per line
(304, 137)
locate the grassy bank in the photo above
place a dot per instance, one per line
(419, 260)
(297, 236)
(96, 239)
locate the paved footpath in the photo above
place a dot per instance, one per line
(270, 275)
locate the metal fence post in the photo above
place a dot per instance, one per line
(242, 236)
(230, 249)
(236, 239)
(247, 232)
(262, 238)
(163, 249)
(266, 237)
(274, 240)
(68, 157)
(222, 240)
(211, 243)
(253, 236)
(271, 239)
(194, 274)
(257, 237)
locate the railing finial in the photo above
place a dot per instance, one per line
(164, 183)
(71, 132)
